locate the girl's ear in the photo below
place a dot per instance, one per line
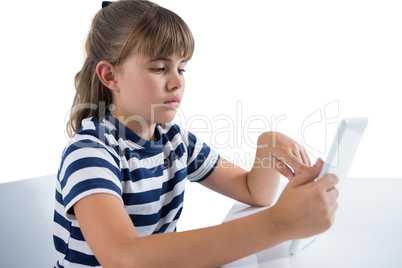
(107, 74)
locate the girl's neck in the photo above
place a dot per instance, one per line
(146, 134)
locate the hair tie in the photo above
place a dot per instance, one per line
(106, 3)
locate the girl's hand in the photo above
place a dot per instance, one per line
(284, 154)
(306, 207)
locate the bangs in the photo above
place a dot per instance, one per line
(159, 33)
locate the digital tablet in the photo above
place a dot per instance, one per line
(338, 161)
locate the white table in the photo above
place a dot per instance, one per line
(367, 231)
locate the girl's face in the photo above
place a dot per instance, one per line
(149, 91)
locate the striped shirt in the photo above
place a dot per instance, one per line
(147, 176)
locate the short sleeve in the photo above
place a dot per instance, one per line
(87, 167)
(201, 160)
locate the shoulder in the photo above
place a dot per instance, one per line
(93, 140)
(89, 164)
(94, 133)
(94, 127)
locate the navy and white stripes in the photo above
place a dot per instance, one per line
(148, 177)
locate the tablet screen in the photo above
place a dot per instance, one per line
(338, 160)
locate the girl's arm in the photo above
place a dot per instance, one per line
(276, 154)
(305, 208)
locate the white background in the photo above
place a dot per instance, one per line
(258, 66)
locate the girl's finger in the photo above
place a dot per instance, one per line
(305, 157)
(281, 166)
(295, 162)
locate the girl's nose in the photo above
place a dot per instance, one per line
(175, 82)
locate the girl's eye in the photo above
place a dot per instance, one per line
(163, 70)
(158, 70)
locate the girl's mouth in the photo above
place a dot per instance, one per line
(173, 102)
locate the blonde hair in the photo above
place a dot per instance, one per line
(118, 30)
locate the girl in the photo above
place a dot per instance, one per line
(121, 180)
